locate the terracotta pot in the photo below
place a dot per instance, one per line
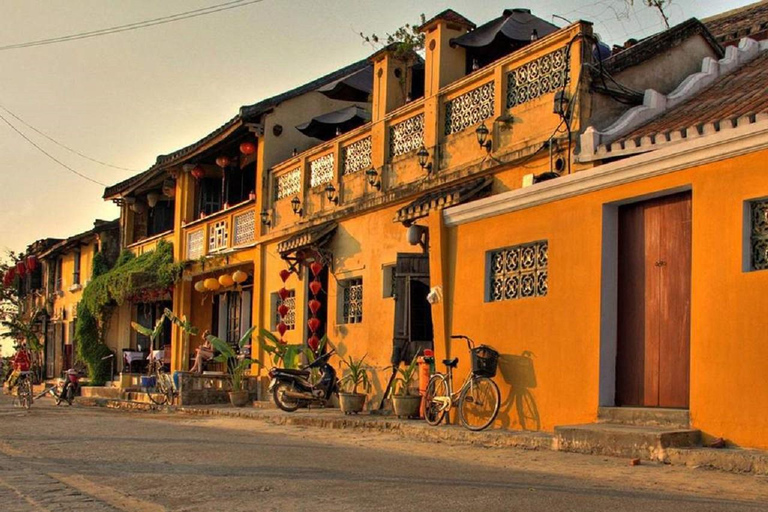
(238, 398)
(406, 406)
(352, 403)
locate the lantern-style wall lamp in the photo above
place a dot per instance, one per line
(482, 137)
(330, 194)
(265, 218)
(373, 178)
(423, 155)
(296, 205)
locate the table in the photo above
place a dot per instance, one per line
(132, 356)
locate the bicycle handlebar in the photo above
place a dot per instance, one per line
(470, 342)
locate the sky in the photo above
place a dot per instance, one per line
(126, 98)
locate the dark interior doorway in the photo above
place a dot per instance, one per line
(413, 314)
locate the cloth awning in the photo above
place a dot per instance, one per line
(513, 26)
(312, 239)
(328, 126)
(356, 86)
(443, 198)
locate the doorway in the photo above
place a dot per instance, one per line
(413, 314)
(653, 303)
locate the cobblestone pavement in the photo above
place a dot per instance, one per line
(89, 459)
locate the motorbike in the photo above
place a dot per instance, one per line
(293, 389)
(67, 388)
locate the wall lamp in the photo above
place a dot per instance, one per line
(265, 218)
(330, 194)
(296, 205)
(423, 155)
(373, 178)
(482, 137)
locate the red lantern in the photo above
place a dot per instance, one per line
(314, 324)
(282, 310)
(313, 343)
(281, 328)
(283, 293)
(222, 161)
(31, 263)
(21, 268)
(285, 274)
(315, 267)
(314, 306)
(315, 287)
(247, 148)
(198, 172)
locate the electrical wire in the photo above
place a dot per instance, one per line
(70, 169)
(235, 4)
(63, 145)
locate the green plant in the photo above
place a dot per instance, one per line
(153, 334)
(236, 366)
(358, 374)
(405, 379)
(280, 353)
(187, 329)
(90, 348)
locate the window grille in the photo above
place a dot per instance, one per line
(288, 184)
(245, 225)
(290, 317)
(469, 109)
(519, 271)
(219, 236)
(406, 135)
(357, 156)
(321, 170)
(352, 307)
(759, 235)
(195, 244)
(537, 78)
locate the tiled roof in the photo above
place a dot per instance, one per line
(99, 226)
(748, 21)
(443, 198)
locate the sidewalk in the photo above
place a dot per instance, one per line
(725, 459)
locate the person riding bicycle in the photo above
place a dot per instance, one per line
(22, 362)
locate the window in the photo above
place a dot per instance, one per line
(352, 301)
(76, 273)
(290, 317)
(518, 272)
(758, 235)
(160, 218)
(59, 270)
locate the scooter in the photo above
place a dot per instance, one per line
(292, 389)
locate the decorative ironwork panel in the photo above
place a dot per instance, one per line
(195, 244)
(469, 108)
(288, 184)
(406, 135)
(321, 170)
(537, 78)
(290, 316)
(218, 236)
(357, 156)
(245, 227)
(519, 271)
(353, 301)
(759, 237)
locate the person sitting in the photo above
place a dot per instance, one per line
(203, 353)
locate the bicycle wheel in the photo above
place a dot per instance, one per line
(158, 394)
(436, 399)
(24, 392)
(479, 403)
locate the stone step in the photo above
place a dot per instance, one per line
(645, 416)
(99, 392)
(648, 443)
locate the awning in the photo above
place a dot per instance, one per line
(356, 86)
(328, 126)
(311, 240)
(443, 198)
(514, 25)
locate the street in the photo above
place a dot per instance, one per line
(89, 459)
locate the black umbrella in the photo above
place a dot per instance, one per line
(356, 86)
(328, 126)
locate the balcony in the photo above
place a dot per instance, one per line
(230, 228)
(150, 243)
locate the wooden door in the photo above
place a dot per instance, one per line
(653, 338)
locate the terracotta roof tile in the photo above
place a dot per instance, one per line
(749, 21)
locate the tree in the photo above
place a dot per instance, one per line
(659, 5)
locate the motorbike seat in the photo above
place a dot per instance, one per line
(451, 363)
(293, 372)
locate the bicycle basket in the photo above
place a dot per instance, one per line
(484, 361)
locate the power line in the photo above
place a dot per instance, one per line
(137, 25)
(65, 146)
(49, 155)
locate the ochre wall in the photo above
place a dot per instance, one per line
(728, 396)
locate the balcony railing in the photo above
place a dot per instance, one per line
(150, 244)
(226, 229)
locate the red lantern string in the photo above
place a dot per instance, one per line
(283, 308)
(314, 323)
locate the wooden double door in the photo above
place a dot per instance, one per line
(654, 296)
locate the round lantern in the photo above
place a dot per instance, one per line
(313, 343)
(316, 268)
(152, 199)
(314, 306)
(211, 284)
(226, 280)
(315, 287)
(239, 277)
(31, 263)
(198, 172)
(222, 161)
(247, 148)
(200, 286)
(314, 324)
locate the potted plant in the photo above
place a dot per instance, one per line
(148, 381)
(352, 402)
(237, 366)
(406, 403)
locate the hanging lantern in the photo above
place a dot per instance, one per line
(314, 306)
(313, 343)
(211, 284)
(282, 310)
(314, 324)
(247, 148)
(169, 188)
(222, 161)
(137, 207)
(239, 277)
(281, 328)
(152, 199)
(31, 263)
(285, 274)
(315, 287)
(316, 268)
(200, 286)
(226, 280)
(21, 269)
(198, 172)
(283, 293)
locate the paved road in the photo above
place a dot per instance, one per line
(93, 459)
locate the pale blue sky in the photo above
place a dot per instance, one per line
(125, 98)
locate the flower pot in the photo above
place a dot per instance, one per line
(406, 406)
(351, 402)
(238, 398)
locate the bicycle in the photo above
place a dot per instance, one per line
(477, 400)
(24, 389)
(161, 390)
(58, 391)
